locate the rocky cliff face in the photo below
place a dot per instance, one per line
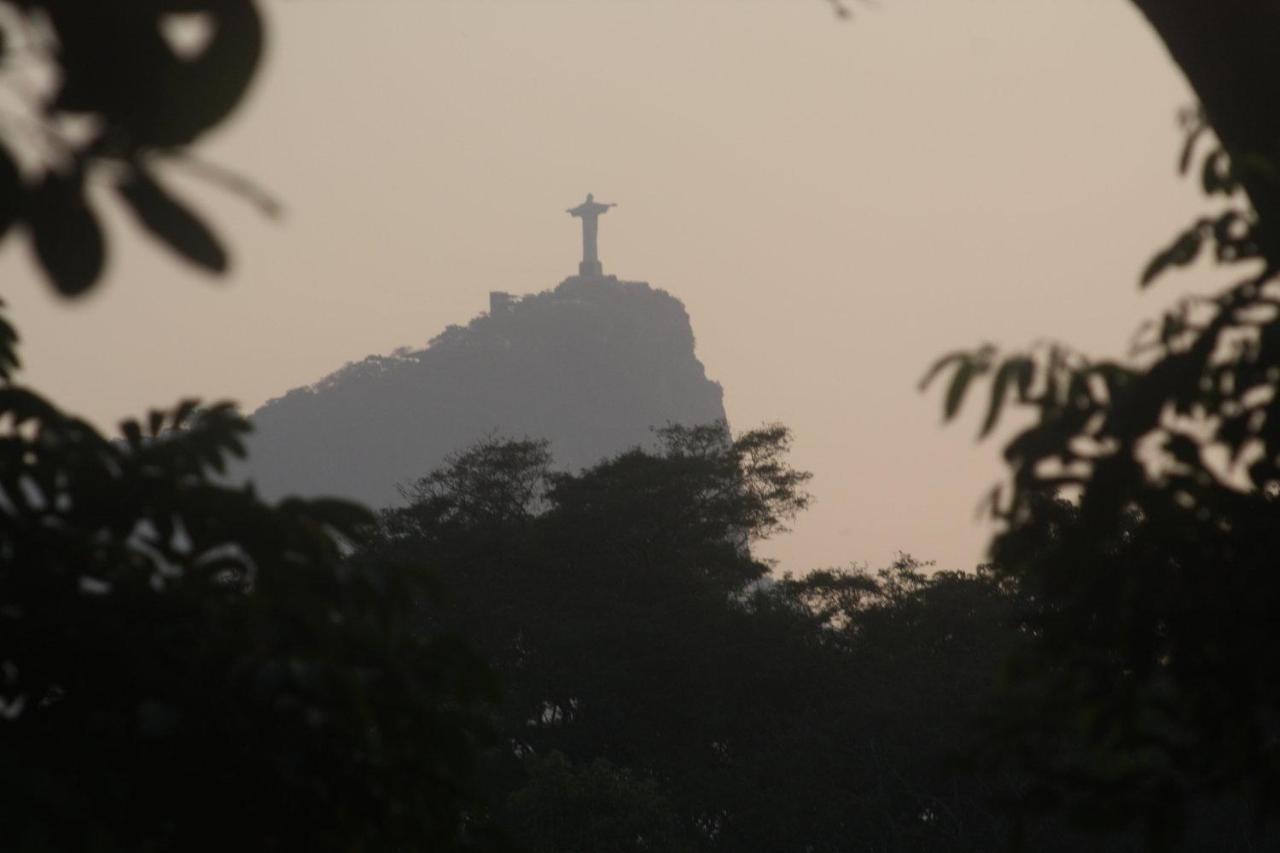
(591, 366)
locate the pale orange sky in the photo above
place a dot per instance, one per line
(835, 203)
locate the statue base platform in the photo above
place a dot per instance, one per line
(590, 269)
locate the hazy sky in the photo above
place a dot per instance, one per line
(835, 203)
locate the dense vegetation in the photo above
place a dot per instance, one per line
(660, 692)
(183, 666)
(1150, 690)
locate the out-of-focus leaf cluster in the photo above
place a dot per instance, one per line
(1233, 233)
(185, 667)
(134, 83)
(1139, 524)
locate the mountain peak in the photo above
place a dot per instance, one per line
(592, 366)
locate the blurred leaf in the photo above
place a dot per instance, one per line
(213, 83)
(11, 190)
(1182, 252)
(184, 411)
(172, 222)
(1218, 175)
(68, 240)
(23, 405)
(9, 360)
(959, 384)
(1025, 372)
(939, 366)
(999, 388)
(1032, 445)
(132, 433)
(1189, 146)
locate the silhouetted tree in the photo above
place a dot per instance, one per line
(1151, 696)
(652, 672)
(183, 667)
(599, 808)
(1224, 49)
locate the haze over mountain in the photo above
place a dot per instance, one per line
(592, 366)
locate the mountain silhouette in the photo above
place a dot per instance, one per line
(592, 366)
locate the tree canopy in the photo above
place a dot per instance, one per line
(1139, 515)
(662, 691)
(185, 667)
(182, 665)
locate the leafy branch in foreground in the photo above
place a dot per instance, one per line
(185, 667)
(1140, 530)
(109, 92)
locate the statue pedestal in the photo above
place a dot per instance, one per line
(590, 269)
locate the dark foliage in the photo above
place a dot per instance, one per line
(596, 808)
(661, 692)
(1139, 523)
(130, 95)
(183, 667)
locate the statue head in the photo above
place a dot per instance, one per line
(590, 197)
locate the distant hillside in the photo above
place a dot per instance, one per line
(591, 366)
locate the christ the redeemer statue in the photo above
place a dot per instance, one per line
(589, 212)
